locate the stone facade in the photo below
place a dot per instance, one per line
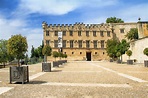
(137, 48)
(84, 41)
(143, 29)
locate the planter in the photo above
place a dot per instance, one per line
(130, 62)
(19, 74)
(55, 64)
(146, 63)
(46, 67)
(119, 61)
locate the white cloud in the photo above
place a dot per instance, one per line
(134, 12)
(10, 27)
(59, 7)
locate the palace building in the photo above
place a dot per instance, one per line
(84, 41)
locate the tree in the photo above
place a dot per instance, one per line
(60, 55)
(46, 52)
(114, 20)
(111, 48)
(32, 52)
(55, 54)
(36, 53)
(65, 55)
(129, 53)
(17, 46)
(3, 52)
(132, 34)
(122, 47)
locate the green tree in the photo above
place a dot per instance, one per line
(3, 52)
(61, 55)
(122, 47)
(46, 52)
(17, 46)
(40, 51)
(55, 54)
(65, 55)
(132, 34)
(32, 52)
(129, 53)
(111, 48)
(114, 20)
(36, 53)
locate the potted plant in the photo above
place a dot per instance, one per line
(118, 54)
(17, 46)
(145, 51)
(46, 67)
(129, 53)
(55, 54)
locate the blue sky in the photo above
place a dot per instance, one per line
(26, 16)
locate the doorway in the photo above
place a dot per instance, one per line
(88, 56)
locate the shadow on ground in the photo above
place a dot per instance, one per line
(36, 82)
(56, 70)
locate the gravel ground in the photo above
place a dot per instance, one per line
(82, 73)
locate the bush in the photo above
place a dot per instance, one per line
(129, 53)
(145, 51)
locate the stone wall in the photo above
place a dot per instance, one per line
(137, 48)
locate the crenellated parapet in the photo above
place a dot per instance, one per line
(77, 27)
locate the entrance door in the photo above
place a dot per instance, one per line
(88, 56)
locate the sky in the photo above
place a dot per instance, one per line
(25, 17)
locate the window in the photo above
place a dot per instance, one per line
(71, 43)
(64, 52)
(79, 33)
(101, 33)
(47, 33)
(121, 30)
(72, 52)
(87, 33)
(47, 42)
(80, 52)
(95, 52)
(94, 33)
(108, 33)
(80, 43)
(87, 43)
(95, 43)
(102, 43)
(56, 33)
(64, 43)
(64, 33)
(55, 43)
(71, 33)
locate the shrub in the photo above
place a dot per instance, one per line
(129, 53)
(145, 51)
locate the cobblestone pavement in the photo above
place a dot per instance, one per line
(79, 79)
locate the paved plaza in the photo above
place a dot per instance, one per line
(79, 79)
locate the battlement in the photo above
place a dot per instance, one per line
(77, 26)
